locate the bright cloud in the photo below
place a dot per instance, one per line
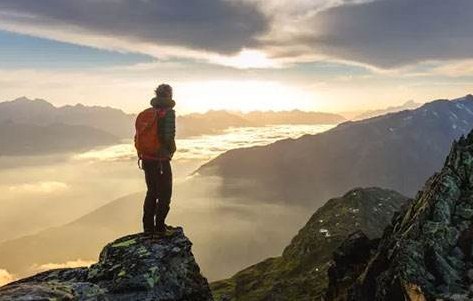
(247, 59)
(46, 187)
(63, 265)
(6, 277)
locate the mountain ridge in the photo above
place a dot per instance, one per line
(40, 112)
(408, 105)
(397, 151)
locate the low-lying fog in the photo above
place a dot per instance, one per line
(41, 192)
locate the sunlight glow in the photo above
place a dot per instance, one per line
(45, 187)
(247, 59)
(5, 277)
(244, 96)
(64, 265)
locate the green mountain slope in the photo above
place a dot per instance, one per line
(300, 273)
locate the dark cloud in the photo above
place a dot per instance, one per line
(383, 33)
(215, 25)
(391, 33)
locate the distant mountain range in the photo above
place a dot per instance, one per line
(30, 139)
(397, 151)
(301, 272)
(44, 128)
(364, 114)
(41, 112)
(408, 105)
(36, 127)
(214, 122)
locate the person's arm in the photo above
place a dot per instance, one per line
(168, 131)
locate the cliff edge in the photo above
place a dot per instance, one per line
(133, 267)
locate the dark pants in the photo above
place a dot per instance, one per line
(158, 175)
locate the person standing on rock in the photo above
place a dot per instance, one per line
(155, 145)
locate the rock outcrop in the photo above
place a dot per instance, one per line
(301, 272)
(426, 253)
(133, 267)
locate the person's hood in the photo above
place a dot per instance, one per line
(165, 103)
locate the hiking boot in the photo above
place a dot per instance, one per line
(164, 233)
(165, 227)
(148, 232)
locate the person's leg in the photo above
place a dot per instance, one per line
(149, 208)
(164, 194)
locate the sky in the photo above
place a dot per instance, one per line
(323, 55)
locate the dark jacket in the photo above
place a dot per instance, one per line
(166, 127)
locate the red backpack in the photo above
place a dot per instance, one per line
(147, 142)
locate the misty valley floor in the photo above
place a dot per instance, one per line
(64, 188)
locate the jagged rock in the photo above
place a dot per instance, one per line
(301, 272)
(426, 254)
(348, 262)
(134, 267)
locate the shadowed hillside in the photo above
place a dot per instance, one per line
(28, 139)
(41, 112)
(397, 151)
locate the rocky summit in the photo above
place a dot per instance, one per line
(134, 267)
(427, 251)
(301, 272)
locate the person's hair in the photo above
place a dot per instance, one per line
(164, 91)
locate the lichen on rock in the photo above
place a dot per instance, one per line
(134, 267)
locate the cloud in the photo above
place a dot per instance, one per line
(220, 26)
(385, 33)
(64, 265)
(6, 277)
(380, 34)
(460, 68)
(40, 187)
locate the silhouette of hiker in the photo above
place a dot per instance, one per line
(155, 144)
